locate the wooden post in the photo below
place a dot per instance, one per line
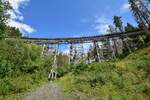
(115, 46)
(71, 55)
(96, 52)
(125, 45)
(53, 73)
(43, 49)
(112, 49)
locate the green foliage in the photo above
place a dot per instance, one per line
(129, 27)
(45, 65)
(17, 58)
(62, 70)
(126, 79)
(118, 23)
(62, 60)
(14, 87)
(6, 31)
(21, 67)
(12, 32)
(140, 12)
(76, 69)
(4, 7)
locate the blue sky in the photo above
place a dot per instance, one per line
(67, 18)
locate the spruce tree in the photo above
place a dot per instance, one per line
(129, 27)
(118, 23)
(140, 12)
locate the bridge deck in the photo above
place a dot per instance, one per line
(82, 39)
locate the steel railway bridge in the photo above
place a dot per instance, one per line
(82, 39)
(102, 47)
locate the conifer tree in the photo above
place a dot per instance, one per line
(129, 27)
(140, 12)
(118, 23)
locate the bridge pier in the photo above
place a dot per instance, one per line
(114, 47)
(90, 55)
(81, 51)
(96, 51)
(53, 72)
(107, 49)
(71, 54)
(138, 42)
(119, 45)
(101, 52)
(44, 49)
(126, 47)
(76, 53)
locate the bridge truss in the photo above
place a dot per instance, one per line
(101, 47)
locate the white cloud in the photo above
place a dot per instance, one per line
(22, 27)
(16, 4)
(101, 24)
(17, 18)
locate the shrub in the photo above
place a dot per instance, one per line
(21, 66)
(63, 70)
(76, 69)
(18, 58)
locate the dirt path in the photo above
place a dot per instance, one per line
(48, 92)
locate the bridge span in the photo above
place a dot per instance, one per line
(85, 39)
(104, 47)
(101, 47)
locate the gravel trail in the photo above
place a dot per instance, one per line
(47, 92)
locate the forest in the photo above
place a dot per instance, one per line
(127, 77)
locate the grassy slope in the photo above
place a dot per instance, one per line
(127, 79)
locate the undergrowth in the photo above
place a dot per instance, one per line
(126, 79)
(22, 69)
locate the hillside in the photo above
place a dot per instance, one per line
(22, 68)
(120, 79)
(126, 79)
